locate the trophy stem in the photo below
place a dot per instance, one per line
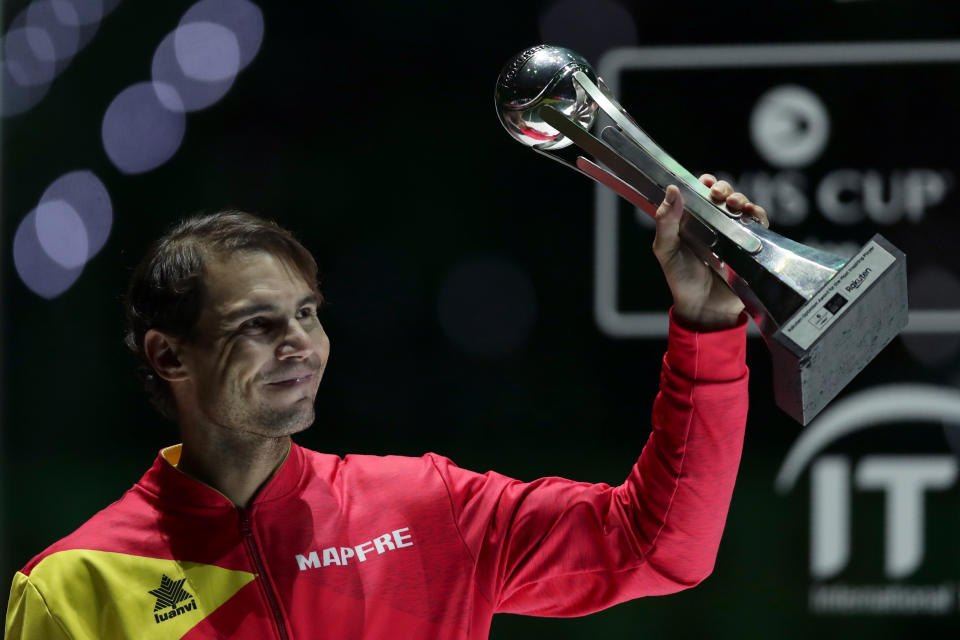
(613, 110)
(618, 186)
(773, 275)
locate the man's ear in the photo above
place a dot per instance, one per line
(162, 351)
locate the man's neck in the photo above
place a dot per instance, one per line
(237, 464)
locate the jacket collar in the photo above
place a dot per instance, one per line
(172, 486)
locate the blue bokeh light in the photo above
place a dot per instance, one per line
(143, 127)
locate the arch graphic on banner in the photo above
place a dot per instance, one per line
(874, 407)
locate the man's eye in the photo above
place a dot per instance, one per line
(254, 324)
(307, 312)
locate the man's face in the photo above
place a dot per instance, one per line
(259, 351)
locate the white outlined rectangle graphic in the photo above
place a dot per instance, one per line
(639, 324)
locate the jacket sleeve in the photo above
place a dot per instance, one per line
(555, 547)
(28, 617)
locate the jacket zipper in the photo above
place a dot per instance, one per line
(246, 530)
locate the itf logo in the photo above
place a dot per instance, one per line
(905, 481)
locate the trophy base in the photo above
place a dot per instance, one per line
(839, 330)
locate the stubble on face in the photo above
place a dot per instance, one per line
(264, 418)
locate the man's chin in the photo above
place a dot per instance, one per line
(275, 423)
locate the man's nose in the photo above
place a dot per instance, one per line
(296, 342)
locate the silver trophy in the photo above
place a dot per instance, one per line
(824, 318)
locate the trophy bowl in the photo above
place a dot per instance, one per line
(540, 76)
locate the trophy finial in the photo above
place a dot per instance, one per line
(538, 76)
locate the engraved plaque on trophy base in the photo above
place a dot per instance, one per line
(839, 330)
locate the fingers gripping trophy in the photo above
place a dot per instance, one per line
(824, 318)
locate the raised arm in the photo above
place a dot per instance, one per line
(556, 547)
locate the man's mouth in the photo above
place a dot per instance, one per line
(292, 382)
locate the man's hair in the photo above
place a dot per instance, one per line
(166, 290)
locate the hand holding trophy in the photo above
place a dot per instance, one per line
(701, 300)
(823, 318)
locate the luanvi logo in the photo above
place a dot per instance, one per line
(170, 593)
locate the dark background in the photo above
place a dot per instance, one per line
(369, 131)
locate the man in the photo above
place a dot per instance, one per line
(238, 533)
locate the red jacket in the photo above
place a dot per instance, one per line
(393, 547)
